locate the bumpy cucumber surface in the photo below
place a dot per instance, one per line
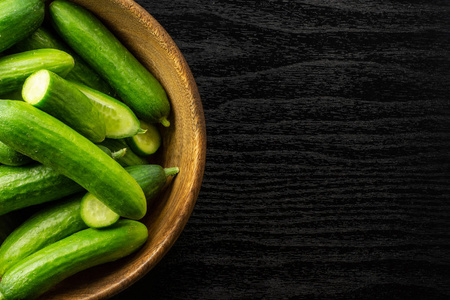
(10, 157)
(43, 228)
(61, 99)
(31, 185)
(137, 87)
(19, 18)
(43, 38)
(60, 147)
(15, 68)
(38, 272)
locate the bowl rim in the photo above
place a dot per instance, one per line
(196, 107)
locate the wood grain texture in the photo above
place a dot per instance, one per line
(328, 163)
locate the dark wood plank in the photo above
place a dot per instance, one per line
(328, 162)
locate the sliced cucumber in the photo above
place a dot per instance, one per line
(120, 120)
(96, 214)
(61, 99)
(145, 143)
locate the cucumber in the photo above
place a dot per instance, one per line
(43, 228)
(135, 85)
(31, 185)
(43, 269)
(34, 184)
(130, 158)
(61, 99)
(146, 143)
(19, 18)
(12, 158)
(15, 68)
(120, 120)
(43, 38)
(95, 214)
(151, 179)
(58, 146)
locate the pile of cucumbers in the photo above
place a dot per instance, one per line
(78, 119)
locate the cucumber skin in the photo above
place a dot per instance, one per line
(18, 18)
(81, 72)
(135, 85)
(11, 157)
(67, 103)
(60, 147)
(100, 99)
(40, 271)
(43, 228)
(15, 68)
(31, 185)
(151, 178)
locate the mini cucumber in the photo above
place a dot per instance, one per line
(120, 120)
(151, 179)
(135, 85)
(60, 147)
(35, 184)
(43, 38)
(43, 228)
(61, 99)
(31, 185)
(130, 158)
(43, 269)
(146, 143)
(15, 68)
(11, 157)
(19, 18)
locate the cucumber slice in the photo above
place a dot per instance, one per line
(145, 143)
(59, 98)
(96, 214)
(120, 120)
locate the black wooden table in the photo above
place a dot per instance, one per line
(328, 163)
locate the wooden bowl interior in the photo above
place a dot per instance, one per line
(184, 145)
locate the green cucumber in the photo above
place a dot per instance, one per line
(95, 214)
(19, 18)
(43, 38)
(58, 146)
(43, 269)
(120, 120)
(146, 143)
(35, 184)
(12, 158)
(135, 85)
(130, 158)
(15, 68)
(61, 99)
(31, 185)
(151, 179)
(43, 228)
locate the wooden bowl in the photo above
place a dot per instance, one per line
(184, 145)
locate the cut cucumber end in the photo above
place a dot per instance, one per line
(164, 122)
(35, 87)
(96, 214)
